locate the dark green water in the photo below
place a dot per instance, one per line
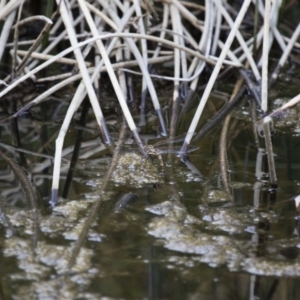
(180, 237)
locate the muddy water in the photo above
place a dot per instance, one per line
(155, 234)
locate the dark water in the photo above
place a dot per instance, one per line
(177, 236)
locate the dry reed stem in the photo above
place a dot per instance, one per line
(41, 56)
(241, 40)
(6, 31)
(269, 147)
(55, 41)
(15, 47)
(213, 76)
(223, 143)
(265, 58)
(9, 7)
(286, 53)
(67, 19)
(289, 104)
(190, 56)
(105, 36)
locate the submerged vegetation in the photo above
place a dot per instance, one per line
(137, 72)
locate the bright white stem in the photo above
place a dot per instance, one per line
(163, 26)
(2, 3)
(297, 201)
(9, 7)
(142, 30)
(119, 5)
(240, 40)
(26, 69)
(259, 39)
(265, 58)
(286, 52)
(274, 31)
(185, 13)
(175, 20)
(204, 45)
(216, 36)
(290, 46)
(81, 64)
(127, 53)
(231, 55)
(73, 105)
(101, 37)
(95, 71)
(109, 69)
(183, 58)
(57, 25)
(102, 15)
(121, 74)
(65, 152)
(41, 56)
(137, 54)
(59, 146)
(290, 103)
(53, 44)
(80, 94)
(215, 72)
(6, 31)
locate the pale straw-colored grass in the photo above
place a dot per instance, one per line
(131, 37)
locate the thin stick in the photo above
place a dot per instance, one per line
(251, 86)
(16, 38)
(74, 104)
(240, 40)
(223, 156)
(109, 69)
(135, 51)
(205, 47)
(175, 25)
(41, 56)
(95, 208)
(76, 151)
(6, 31)
(213, 77)
(59, 38)
(36, 43)
(285, 54)
(227, 108)
(223, 142)
(67, 19)
(29, 191)
(217, 31)
(33, 153)
(9, 7)
(111, 35)
(163, 27)
(45, 96)
(290, 103)
(270, 154)
(143, 42)
(265, 58)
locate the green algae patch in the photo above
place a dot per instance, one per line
(178, 231)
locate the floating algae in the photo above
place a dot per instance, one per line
(179, 231)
